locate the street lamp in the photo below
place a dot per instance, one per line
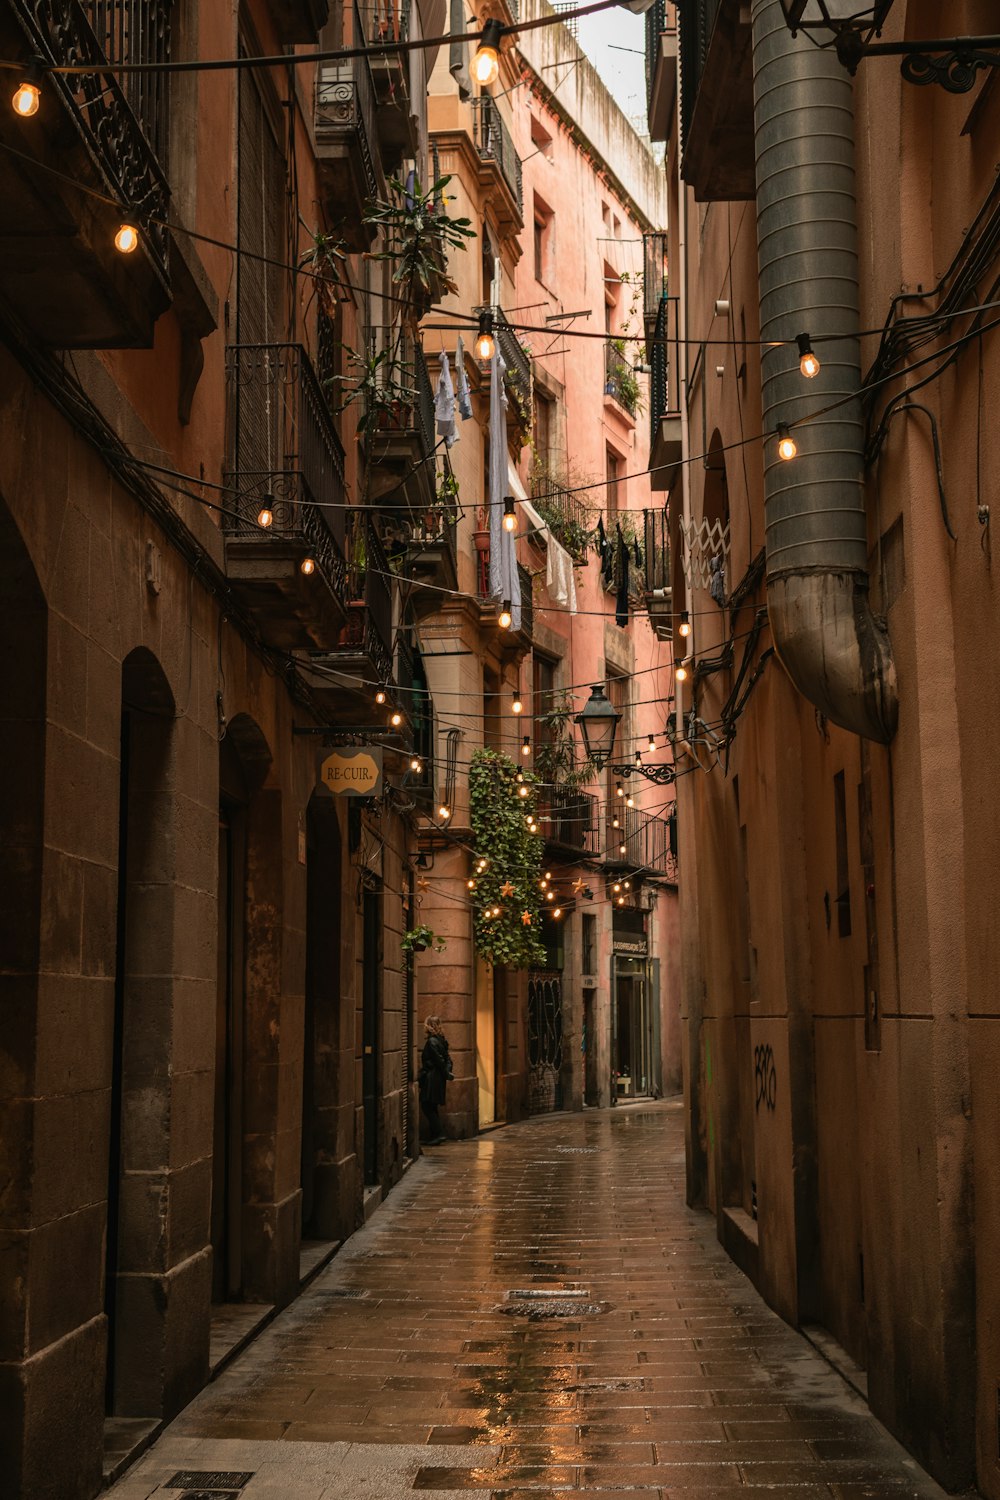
(953, 62)
(598, 721)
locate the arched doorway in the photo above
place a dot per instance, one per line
(139, 1135)
(244, 761)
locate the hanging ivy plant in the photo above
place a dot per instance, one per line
(499, 817)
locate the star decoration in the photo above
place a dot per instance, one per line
(423, 884)
(526, 918)
(577, 886)
(506, 889)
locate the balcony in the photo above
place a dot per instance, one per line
(299, 20)
(364, 648)
(517, 371)
(654, 277)
(432, 556)
(569, 820)
(664, 413)
(400, 439)
(350, 172)
(500, 163)
(93, 139)
(620, 382)
(398, 134)
(284, 457)
(646, 839)
(661, 72)
(717, 99)
(656, 567)
(490, 602)
(571, 522)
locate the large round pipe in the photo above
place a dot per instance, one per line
(834, 649)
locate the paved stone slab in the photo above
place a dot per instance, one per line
(400, 1372)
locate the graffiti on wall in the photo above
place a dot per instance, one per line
(765, 1076)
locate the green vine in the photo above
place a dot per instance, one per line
(513, 863)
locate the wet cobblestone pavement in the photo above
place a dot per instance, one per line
(535, 1313)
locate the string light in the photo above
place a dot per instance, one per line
(630, 800)
(550, 895)
(380, 694)
(265, 517)
(486, 63)
(684, 628)
(616, 887)
(27, 96)
(482, 865)
(444, 812)
(415, 765)
(395, 718)
(621, 848)
(509, 514)
(787, 446)
(471, 884)
(619, 789)
(680, 673)
(652, 743)
(557, 913)
(484, 339)
(616, 821)
(517, 706)
(548, 874)
(522, 791)
(526, 745)
(496, 911)
(307, 566)
(638, 755)
(621, 900)
(809, 364)
(126, 238)
(505, 618)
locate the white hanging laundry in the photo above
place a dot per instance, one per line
(444, 404)
(560, 580)
(464, 398)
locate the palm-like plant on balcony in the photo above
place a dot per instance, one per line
(557, 761)
(417, 234)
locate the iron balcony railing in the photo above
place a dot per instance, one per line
(345, 110)
(619, 378)
(569, 819)
(654, 274)
(569, 519)
(369, 622)
(123, 125)
(284, 454)
(656, 552)
(663, 351)
(493, 141)
(646, 840)
(656, 25)
(402, 397)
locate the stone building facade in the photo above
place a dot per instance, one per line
(837, 913)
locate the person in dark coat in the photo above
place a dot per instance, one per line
(435, 1071)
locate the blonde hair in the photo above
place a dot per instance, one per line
(433, 1026)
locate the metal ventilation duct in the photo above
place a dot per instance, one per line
(833, 648)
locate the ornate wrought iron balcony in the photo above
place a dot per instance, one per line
(658, 578)
(646, 839)
(619, 377)
(365, 646)
(493, 141)
(399, 429)
(664, 416)
(383, 22)
(654, 276)
(346, 146)
(73, 288)
(284, 457)
(570, 520)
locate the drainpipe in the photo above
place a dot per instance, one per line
(834, 649)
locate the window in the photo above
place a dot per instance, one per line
(543, 428)
(614, 472)
(543, 701)
(617, 690)
(589, 943)
(543, 234)
(541, 139)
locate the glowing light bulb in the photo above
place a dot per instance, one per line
(619, 789)
(526, 745)
(380, 696)
(265, 517)
(652, 742)
(680, 673)
(809, 364)
(522, 791)
(496, 911)
(787, 446)
(621, 848)
(26, 98)
(444, 812)
(509, 514)
(505, 618)
(471, 884)
(638, 757)
(684, 628)
(415, 765)
(548, 874)
(630, 800)
(621, 900)
(307, 566)
(616, 821)
(517, 707)
(484, 339)
(395, 718)
(486, 63)
(616, 887)
(557, 912)
(126, 238)
(550, 895)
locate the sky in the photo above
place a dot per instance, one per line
(603, 36)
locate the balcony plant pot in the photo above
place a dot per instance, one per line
(482, 540)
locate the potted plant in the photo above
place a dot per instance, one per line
(417, 939)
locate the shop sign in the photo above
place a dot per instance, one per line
(351, 772)
(634, 947)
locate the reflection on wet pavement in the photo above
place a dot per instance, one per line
(537, 1313)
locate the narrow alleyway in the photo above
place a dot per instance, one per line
(534, 1312)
